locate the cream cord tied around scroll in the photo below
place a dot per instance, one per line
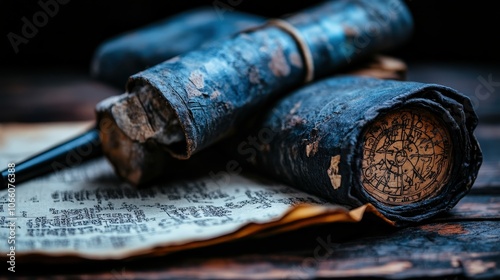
(304, 49)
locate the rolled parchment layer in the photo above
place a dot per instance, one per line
(408, 148)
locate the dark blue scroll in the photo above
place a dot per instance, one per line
(408, 148)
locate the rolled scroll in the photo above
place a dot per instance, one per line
(407, 148)
(190, 102)
(122, 56)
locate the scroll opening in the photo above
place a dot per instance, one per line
(167, 129)
(406, 156)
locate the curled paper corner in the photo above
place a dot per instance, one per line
(305, 215)
(297, 217)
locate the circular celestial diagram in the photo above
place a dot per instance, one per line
(406, 156)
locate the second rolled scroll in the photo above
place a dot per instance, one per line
(407, 148)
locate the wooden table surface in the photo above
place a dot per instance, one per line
(463, 244)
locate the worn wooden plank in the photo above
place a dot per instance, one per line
(488, 179)
(474, 207)
(453, 249)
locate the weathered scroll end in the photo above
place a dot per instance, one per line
(125, 134)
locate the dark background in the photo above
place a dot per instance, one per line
(456, 36)
(444, 30)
